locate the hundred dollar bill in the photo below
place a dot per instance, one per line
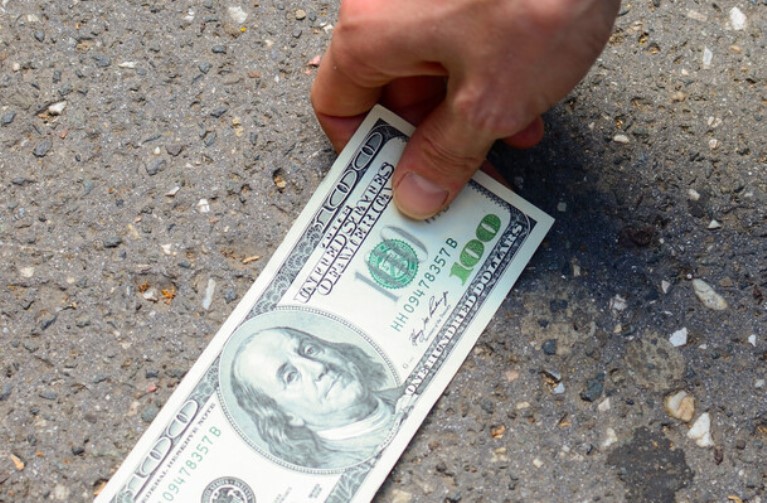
(317, 381)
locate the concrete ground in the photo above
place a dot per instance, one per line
(149, 147)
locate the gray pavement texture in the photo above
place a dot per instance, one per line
(151, 149)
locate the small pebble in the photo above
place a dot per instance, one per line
(218, 49)
(7, 118)
(759, 384)
(207, 299)
(708, 57)
(203, 206)
(112, 242)
(752, 339)
(27, 272)
(697, 16)
(42, 148)
(604, 405)
(149, 413)
(128, 65)
(151, 295)
(46, 319)
(693, 195)
(713, 224)
(204, 67)
(6, 391)
(552, 374)
(156, 166)
(618, 303)
(300, 14)
(576, 270)
(621, 138)
(549, 347)
(594, 388)
(49, 395)
(664, 286)
(218, 112)
(708, 296)
(678, 338)
(174, 149)
(400, 496)
(610, 438)
(680, 405)
(562, 206)
(737, 19)
(701, 431)
(65, 90)
(61, 492)
(487, 405)
(57, 108)
(237, 14)
(102, 61)
(537, 463)
(40, 36)
(17, 462)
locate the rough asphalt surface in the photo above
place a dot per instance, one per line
(150, 149)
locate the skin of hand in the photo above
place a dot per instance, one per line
(466, 72)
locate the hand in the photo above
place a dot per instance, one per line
(467, 72)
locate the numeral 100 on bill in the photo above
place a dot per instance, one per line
(472, 252)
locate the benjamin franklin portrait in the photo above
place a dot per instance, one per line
(313, 402)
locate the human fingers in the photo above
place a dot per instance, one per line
(413, 98)
(528, 137)
(358, 69)
(439, 159)
(339, 102)
(490, 169)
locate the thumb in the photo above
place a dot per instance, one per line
(438, 161)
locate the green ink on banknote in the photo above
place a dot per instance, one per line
(393, 263)
(473, 251)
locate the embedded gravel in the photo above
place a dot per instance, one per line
(154, 154)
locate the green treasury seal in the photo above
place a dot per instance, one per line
(393, 263)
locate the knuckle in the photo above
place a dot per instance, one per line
(548, 16)
(354, 52)
(485, 111)
(447, 161)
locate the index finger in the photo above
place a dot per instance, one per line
(339, 102)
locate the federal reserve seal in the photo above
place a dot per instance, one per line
(393, 263)
(228, 490)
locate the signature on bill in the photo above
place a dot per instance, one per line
(421, 334)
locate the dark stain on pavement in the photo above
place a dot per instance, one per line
(650, 468)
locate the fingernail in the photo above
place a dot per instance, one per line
(418, 197)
